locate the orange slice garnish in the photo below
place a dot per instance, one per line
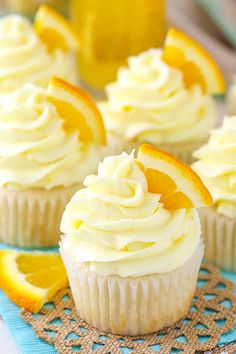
(55, 30)
(31, 279)
(78, 111)
(197, 65)
(178, 185)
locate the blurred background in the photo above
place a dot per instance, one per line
(110, 31)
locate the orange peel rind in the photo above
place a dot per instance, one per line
(78, 110)
(178, 185)
(55, 30)
(197, 65)
(31, 279)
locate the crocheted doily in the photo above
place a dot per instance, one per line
(211, 314)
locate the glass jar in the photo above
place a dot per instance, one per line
(112, 30)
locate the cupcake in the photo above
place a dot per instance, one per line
(217, 167)
(33, 53)
(50, 140)
(158, 100)
(132, 246)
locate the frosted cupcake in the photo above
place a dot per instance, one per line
(217, 167)
(33, 53)
(163, 101)
(50, 140)
(132, 246)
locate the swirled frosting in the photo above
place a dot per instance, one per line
(217, 166)
(117, 226)
(35, 150)
(149, 103)
(24, 58)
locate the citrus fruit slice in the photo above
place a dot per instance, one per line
(55, 30)
(78, 111)
(197, 65)
(178, 185)
(31, 279)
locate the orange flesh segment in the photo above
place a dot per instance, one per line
(177, 200)
(160, 183)
(55, 30)
(31, 279)
(74, 119)
(78, 110)
(178, 184)
(198, 68)
(191, 73)
(50, 36)
(174, 57)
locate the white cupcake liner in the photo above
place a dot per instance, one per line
(219, 234)
(116, 145)
(31, 218)
(132, 306)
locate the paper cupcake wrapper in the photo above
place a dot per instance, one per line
(219, 234)
(132, 306)
(31, 218)
(183, 151)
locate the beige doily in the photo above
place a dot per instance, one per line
(211, 314)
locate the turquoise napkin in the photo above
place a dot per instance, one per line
(28, 342)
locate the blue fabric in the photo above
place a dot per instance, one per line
(20, 331)
(27, 341)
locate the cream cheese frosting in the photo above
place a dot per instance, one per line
(149, 103)
(24, 58)
(217, 166)
(118, 227)
(35, 150)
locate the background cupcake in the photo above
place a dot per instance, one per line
(132, 247)
(31, 53)
(164, 101)
(217, 167)
(45, 154)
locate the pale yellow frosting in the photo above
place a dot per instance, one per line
(35, 150)
(149, 103)
(117, 226)
(217, 166)
(24, 58)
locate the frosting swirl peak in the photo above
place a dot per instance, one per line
(24, 58)
(117, 226)
(149, 103)
(35, 150)
(217, 166)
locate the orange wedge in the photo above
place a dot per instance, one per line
(78, 111)
(197, 65)
(31, 279)
(178, 185)
(55, 30)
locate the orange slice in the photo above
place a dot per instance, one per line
(55, 30)
(31, 279)
(197, 65)
(78, 111)
(178, 185)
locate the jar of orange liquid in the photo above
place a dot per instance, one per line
(112, 30)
